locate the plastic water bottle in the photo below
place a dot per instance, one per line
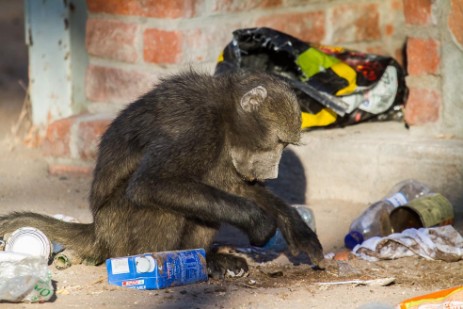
(277, 242)
(374, 221)
(158, 270)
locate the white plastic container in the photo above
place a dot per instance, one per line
(29, 241)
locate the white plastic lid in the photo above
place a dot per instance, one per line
(144, 264)
(29, 240)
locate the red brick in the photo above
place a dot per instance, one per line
(58, 137)
(422, 106)
(113, 85)
(389, 30)
(89, 134)
(423, 56)
(112, 39)
(308, 26)
(61, 169)
(225, 6)
(455, 21)
(146, 8)
(160, 46)
(417, 12)
(355, 23)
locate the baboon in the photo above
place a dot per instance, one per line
(188, 155)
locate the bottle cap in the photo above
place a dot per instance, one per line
(353, 239)
(144, 264)
(29, 240)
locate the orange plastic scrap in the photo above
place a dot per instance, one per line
(447, 299)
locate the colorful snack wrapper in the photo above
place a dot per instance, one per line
(335, 86)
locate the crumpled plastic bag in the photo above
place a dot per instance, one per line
(24, 278)
(335, 86)
(436, 243)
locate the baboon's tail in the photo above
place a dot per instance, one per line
(78, 237)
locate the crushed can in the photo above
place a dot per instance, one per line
(158, 270)
(427, 211)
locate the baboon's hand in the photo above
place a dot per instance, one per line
(301, 238)
(262, 227)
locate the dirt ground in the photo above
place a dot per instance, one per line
(26, 185)
(278, 283)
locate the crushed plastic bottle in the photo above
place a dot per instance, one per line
(277, 242)
(375, 221)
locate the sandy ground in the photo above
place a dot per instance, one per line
(26, 185)
(278, 283)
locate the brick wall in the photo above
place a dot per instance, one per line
(132, 43)
(423, 63)
(433, 29)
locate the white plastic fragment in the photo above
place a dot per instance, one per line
(371, 282)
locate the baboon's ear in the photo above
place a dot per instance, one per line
(252, 99)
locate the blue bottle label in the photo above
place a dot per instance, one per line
(158, 270)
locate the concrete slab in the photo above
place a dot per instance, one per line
(361, 163)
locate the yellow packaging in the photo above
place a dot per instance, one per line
(450, 298)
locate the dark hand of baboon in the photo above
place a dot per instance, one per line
(301, 239)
